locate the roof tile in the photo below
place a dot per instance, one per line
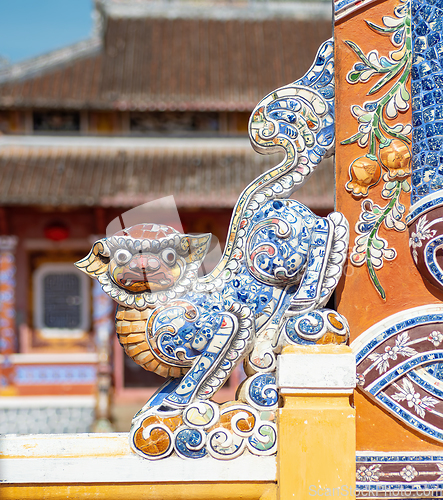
(198, 178)
(175, 64)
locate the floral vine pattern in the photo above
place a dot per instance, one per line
(422, 233)
(381, 360)
(400, 367)
(387, 143)
(399, 474)
(408, 393)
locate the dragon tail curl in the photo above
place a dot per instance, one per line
(298, 119)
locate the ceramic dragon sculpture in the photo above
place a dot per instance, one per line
(279, 268)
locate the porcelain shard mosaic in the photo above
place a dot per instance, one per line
(425, 228)
(399, 474)
(427, 98)
(206, 428)
(279, 268)
(400, 366)
(384, 137)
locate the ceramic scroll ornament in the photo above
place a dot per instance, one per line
(279, 268)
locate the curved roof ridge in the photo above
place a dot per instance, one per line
(37, 65)
(210, 9)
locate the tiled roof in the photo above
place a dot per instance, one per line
(200, 174)
(148, 63)
(72, 86)
(61, 57)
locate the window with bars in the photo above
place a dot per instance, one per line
(61, 300)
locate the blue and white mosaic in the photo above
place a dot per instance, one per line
(281, 263)
(399, 474)
(427, 98)
(55, 374)
(399, 364)
(427, 118)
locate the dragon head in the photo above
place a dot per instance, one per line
(146, 264)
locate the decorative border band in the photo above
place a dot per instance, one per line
(343, 8)
(424, 205)
(399, 365)
(383, 473)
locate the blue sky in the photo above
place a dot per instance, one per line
(33, 27)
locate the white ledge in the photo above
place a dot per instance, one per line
(107, 458)
(35, 358)
(117, 143)
(316, 373)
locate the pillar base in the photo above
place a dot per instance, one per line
(316, 449)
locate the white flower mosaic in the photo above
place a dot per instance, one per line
(381, 360)
(374, 473)
(419, 404)
(367, 474)
(435, 337)
(422, 233)
(408, 473)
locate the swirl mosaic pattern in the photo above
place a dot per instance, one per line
(281, 261)
(206, 428)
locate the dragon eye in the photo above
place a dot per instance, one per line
(122, 257)
(169, 256)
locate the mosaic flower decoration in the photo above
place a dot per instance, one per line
(386, 141)
(436, 337)
(400, 361)
(368, 474)
(381, 360)
(423, 232)
(408, 473)
(413, 399)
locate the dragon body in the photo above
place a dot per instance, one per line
(280, 265)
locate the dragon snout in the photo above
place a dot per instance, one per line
(145, 263)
